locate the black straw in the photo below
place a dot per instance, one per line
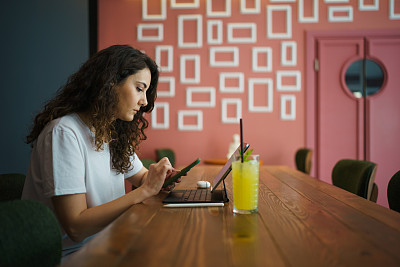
(241, 140)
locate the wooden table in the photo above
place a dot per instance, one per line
(215, 161)
(301, 222)
(220, 161)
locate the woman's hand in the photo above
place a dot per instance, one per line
(156, 175)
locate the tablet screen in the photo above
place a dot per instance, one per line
(227, 168)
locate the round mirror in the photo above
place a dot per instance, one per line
(354, 78)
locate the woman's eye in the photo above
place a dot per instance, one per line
(139, 89)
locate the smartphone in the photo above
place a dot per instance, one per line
(182, 172)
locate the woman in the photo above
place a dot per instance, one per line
(84, 144)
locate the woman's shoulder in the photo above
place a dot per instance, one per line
(68, 127)
(70, 120)
(68, 123)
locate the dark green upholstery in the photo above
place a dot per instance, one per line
(11, 185)
(166, 152)
(147, 162)
(393, 192)
(355, 176)
(303, 160)
(29, 234)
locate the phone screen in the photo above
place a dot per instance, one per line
(182, 172)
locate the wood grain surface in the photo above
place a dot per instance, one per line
(301, 222)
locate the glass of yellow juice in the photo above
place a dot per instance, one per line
(245, 176)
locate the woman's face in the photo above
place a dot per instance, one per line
(132, 94)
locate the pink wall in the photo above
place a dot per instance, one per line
(274, 132)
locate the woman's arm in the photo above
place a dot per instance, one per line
(80, 222)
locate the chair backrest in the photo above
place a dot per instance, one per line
(29, 234)
(303, 159)
(11, 186)
(355, 176)
(393, 192)
(166, 152)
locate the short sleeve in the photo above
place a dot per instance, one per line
(137, 165)
(64, 162)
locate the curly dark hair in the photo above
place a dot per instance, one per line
(91, 90)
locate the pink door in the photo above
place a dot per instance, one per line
(340, 122)
(349, 125)
(383, 112)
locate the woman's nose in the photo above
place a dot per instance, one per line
(143, 101)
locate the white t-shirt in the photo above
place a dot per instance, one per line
(64, 161)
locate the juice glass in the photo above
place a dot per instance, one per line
(245, 177)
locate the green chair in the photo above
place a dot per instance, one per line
(11, 186)
(355, 176)
(166, 152)
(393, 192)
(29, 234)
(147, 162)
(303, 159)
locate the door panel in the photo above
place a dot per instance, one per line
(340, 122)
(383, 112)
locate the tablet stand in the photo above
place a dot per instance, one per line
(226, 193)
